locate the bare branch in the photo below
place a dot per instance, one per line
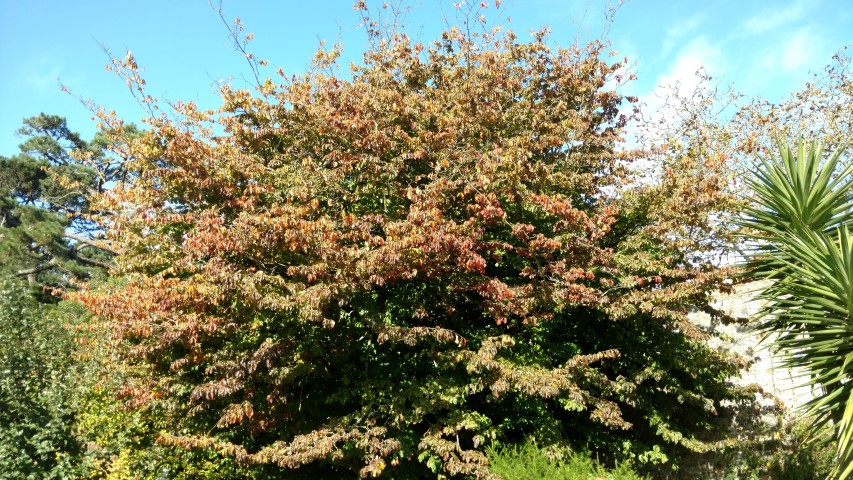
(235, 31)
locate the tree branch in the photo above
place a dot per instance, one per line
(75, 254)
(37, 269)
(88, 242)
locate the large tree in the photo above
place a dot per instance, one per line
(44, 239)
(383, 273)
(47, 235)
(48, 243)
(797, 207)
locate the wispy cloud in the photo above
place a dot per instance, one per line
(697, 54)
(41, 74)
(676, 33)
(800, 50)
(772, 18)
(696, 58)
(45, 79)
(797, 52)
(784, 65)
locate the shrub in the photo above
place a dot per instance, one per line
(389, 271)
(36, 409)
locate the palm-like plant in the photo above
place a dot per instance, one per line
(800, 231)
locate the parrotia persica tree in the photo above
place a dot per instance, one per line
(385, 272)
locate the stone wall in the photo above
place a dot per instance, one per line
(765, 370)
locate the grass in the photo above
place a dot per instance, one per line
(528, 462)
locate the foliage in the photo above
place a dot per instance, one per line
(802, 215)
(384, 273)
(786, 455)
(820, 109)
(45, 235)
(119, 438)
(528, 462)
(120, 444)
(802, 459)
(719, 126)
(36, 412)
(47, 238)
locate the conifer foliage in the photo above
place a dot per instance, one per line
(46, 236)
(385, 272)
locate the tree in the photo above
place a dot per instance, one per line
(47, 235)
(721, 126)
(383, 274)
(802, 216)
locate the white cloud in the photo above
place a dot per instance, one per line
(697, 55)
(776, 17)
(799, 50)
(45, 79)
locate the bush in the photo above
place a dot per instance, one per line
(36, 393)
(784, 454)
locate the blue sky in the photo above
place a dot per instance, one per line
(766, 48)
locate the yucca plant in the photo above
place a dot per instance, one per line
(799, 230)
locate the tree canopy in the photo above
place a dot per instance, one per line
(387, 271)
(47, 234)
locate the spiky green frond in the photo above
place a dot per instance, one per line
(800, 224)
